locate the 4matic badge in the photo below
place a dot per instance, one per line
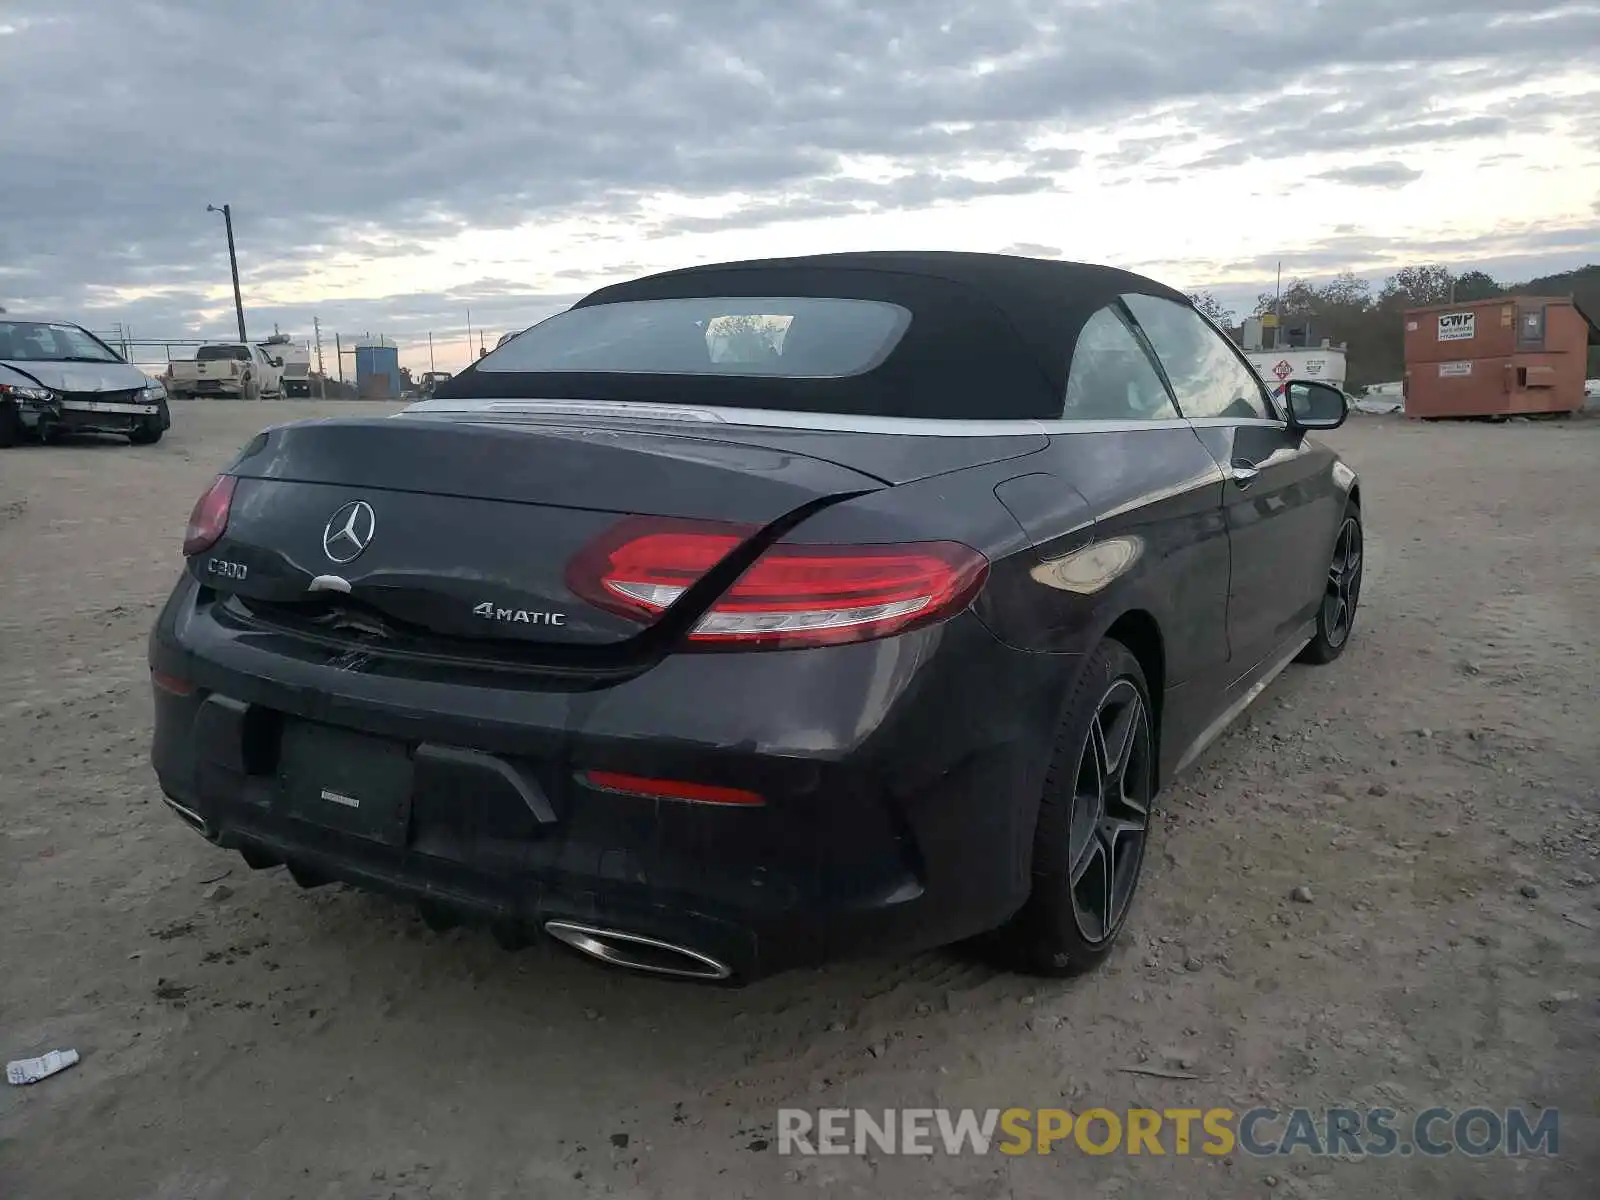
(491, 611)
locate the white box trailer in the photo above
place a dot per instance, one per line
(296, 363)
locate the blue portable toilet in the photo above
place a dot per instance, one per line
(378, 370)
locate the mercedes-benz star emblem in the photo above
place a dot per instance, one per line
(349, 532)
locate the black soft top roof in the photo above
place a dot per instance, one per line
(990, 335)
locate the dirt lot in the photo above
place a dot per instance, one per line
(1438, 791)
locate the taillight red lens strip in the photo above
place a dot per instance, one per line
(642, 564)
(794, 594)
(671, 789)
(797, 594)
(171, 683)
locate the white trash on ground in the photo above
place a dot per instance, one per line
(1379, 405)
(31, 1070)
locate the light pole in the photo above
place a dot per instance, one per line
(233, 262)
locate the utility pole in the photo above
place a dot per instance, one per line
(430, 352)
(322, 376)
(469, 337)
(1277, 309)
(338, 352)
(233, 263)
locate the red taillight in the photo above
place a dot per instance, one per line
(209, 520)
(792, 595)
(670, 789)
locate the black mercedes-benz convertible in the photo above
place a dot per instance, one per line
(754, 614)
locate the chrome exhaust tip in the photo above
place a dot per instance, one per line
(637, 952)
(192, 818)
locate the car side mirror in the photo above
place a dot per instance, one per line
(277, 362)
(1314, 405)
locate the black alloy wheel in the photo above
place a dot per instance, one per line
(1094, 823)
(1110, 812)
(1344, 583)
(1341, 594)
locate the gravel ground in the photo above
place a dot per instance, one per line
(1437, 792)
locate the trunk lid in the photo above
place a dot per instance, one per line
(434, 535)
(890, 451)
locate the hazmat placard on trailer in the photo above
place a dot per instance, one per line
(1457, 327)
(1446, 370)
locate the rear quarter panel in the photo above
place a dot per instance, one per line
(1094, 526)
(1122, 521)
(1127, 524)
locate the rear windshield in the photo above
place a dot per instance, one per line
(789, 337)
(213, 353)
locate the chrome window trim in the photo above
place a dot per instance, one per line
(1128, 426)
(807, 422)
(760, 418)
(1224, 422)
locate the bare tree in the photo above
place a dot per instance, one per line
(1213, 308)
(1346, 291)
(1298, 298)
(1476, 285)
(1416, 287)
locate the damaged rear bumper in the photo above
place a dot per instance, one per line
(481, 802)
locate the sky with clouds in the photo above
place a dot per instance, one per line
(391, 166)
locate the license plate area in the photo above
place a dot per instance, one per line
(346, 781)
(100, 406)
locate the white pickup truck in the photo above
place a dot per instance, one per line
(230, 369)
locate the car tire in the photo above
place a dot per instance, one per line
(251, 390)
(1094, 823)
(10, 426)
(147, 432)
(1336, 615)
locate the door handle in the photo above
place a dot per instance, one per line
(1242, 472)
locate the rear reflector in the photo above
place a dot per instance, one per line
(171, 683)
(670, 789)
(792, 595)
(209, 520)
